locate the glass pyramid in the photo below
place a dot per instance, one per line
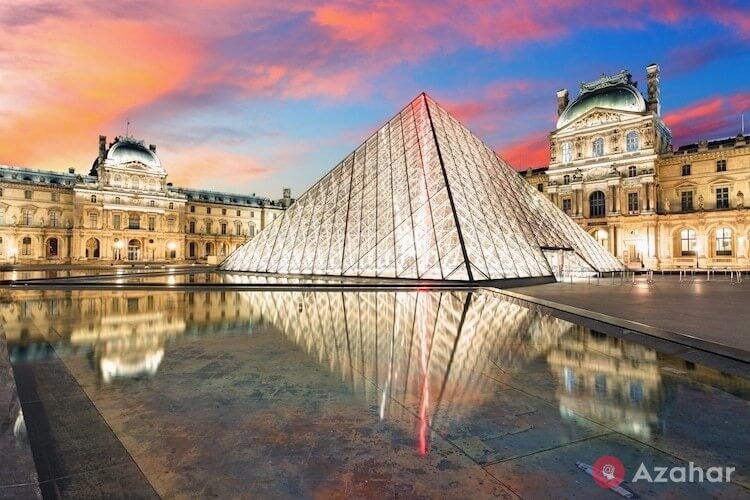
(422, 198)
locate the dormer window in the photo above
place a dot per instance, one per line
(632, 142)
(597, 147)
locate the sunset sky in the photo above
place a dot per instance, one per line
(252, 96)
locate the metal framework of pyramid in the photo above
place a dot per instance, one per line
(422, 198)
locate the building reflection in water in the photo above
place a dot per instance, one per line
(430, 354)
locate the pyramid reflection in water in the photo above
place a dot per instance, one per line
(422, 198)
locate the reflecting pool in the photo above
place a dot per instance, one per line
(352, 393)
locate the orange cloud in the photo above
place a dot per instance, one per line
(70, 81)
(202, 166)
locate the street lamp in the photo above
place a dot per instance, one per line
(118, 248)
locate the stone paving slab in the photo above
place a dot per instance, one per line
(715, 311)
(18, 478)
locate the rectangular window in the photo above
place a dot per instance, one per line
(567, 205)
(686, 201)
(238, 228)
(192, 208)
(152, 223)
(191, 226)
(239, 213)
(116, 221)
(721, 165)
(93, 220)
(540, 187)
(722, 197)
(252, 213)
(55, 196)
(223, 228)
(223, 211)
(170, 225)
(28, 194)
(208, 210)
(54, 219)
(171, 205)
(208, 227)
(686, 169)
(27, 217)
(632, 202)
(134, 221)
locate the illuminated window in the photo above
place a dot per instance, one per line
(116, 221)
(602, 236)
(724, 241)
(596, 204)
(722, 197)
(26, 246)
(597, 147)
(631, 141)
(134, 221)
(687, 242)
(567, 152)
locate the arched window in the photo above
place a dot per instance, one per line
(152, 203)
(597, 147)
(632, 141)
(724, 241)
(566, 179)
(596, 204)
(93, 198)
(567, 152)
(117, 200)
(632, 171)
(687, 242)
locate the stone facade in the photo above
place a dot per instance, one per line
(614, 170)
(123, 210)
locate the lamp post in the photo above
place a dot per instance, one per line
(118, 249)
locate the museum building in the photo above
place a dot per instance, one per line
(614, 170)
(123, 210)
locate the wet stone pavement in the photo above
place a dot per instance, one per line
(354, 395)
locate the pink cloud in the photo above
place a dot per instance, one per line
(530, 151)
(710, 118)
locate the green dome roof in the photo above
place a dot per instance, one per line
(623, 97)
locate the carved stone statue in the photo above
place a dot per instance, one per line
(613, 172)
(578, 175)
(740, 199)
(700, 202)
(579, 148)
(552, 149)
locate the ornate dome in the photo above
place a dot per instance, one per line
(609, 92)
(128, 150)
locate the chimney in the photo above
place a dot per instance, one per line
(71, 170)
(562, 101)
(652, 79)
(102, 147)
(152, 148)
